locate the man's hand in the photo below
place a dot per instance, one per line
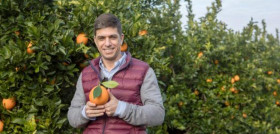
(111, 106)
(94, 111)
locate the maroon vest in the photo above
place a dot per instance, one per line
(130, 78)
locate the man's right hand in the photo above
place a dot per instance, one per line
(92, 110)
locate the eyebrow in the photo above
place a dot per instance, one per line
(101, 36)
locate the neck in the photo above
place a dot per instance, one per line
(110, 64)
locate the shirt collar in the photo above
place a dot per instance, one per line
(118, 63)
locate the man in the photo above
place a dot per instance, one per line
(134, 104)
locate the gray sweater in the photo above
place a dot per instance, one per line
(150, 114)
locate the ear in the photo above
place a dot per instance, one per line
(122, 38)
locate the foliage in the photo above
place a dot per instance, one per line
(194, 66)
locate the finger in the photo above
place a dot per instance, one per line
(111, 95)
(95, 115)
(91, 104)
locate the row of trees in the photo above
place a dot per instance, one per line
(213, 79)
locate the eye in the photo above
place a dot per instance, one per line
(114, 37)
(101, 38)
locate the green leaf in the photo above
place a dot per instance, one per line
(18, 121)
(7, 52)
(97, 92)
(110, 84)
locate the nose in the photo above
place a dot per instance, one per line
(107, 42)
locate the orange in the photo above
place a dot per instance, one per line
(274, 93)
(124, 47)
(29, 49)
(100, 100)
(244, 115)
(17, 33)
(277, 103)
(278, 81)
(200, 54)
(143, 32)
(17, 69)
(82, 38)
(180, 104)
(227, 103)
(9, 103)
(269, 72)
(232, 89)
(86, 56)
(216, 62)
(236, 78)
(209, 80)
(196, 92)
(232, 80)
(223, 88)
(1, 126)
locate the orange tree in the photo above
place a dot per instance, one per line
(224, 81)
(213, 79)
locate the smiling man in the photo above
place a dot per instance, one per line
(134, 104)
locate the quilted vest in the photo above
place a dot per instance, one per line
(130, 78)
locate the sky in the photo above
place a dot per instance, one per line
(237, 13)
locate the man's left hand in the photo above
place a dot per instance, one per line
(111, 106)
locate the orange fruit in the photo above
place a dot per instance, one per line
(82, 38)
(274, 93)
(216, 62)
(223, 88)
(227, 103)
(9, 103)
(278, 81)
(86, 56)
(143, 32)
(1, 126)
(100, 100)
(17, 69)
(200, 54)
(232, 89)
(277, 103)
(236, 78)
(232, 80)
(209, 80)
(180, 104)
(269, 72)
(17, 33)
(124, 47)
(196, 92)
(29, 49)
(244, 115)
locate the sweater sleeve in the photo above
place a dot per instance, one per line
(152, 112)
(74, 114)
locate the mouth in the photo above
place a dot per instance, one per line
(108, 50)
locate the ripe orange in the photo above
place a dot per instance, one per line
(269, 72)
(227, 103)
(17, 69)
(196, 92)
(236, 78)
(9, 103)
(17, 33)
(274, 93)
(86, 56)
(29, 49)
(124, 47)
(244, 115)
(216, 62)
(223, 88)
(1, 126)
(209, 80)
(232, 80)
(200, 54)
(100, 100)
(82, 38)
(278, 81)
(143, 32)
(277, 103)
(232, 89)
(180, 104)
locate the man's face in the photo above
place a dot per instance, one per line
(108, 41)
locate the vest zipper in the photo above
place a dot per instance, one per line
(104, 125)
